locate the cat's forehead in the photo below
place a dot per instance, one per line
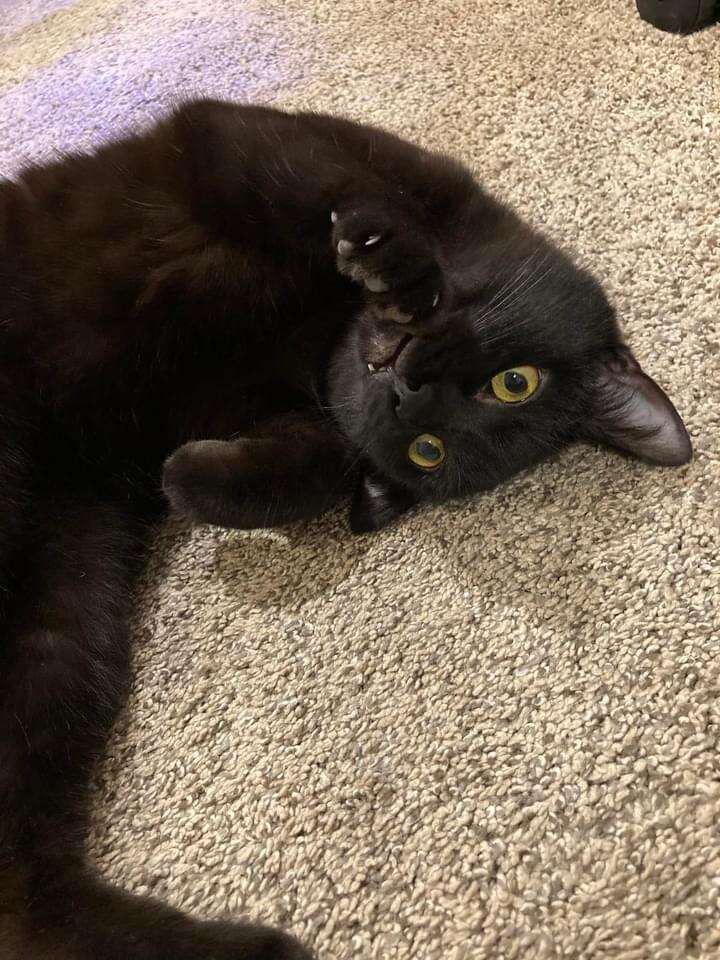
(537, 299)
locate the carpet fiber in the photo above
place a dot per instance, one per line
(492, 731)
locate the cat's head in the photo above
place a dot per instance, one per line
(528, 359)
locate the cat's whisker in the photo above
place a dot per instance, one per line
(344, 403)
(506, 290)
(352, 464)
(522, 282)
(506, 328)
(523, 290)
(514, 283)
(488, 310)
(503, 331)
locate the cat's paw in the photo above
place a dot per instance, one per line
(202, 478)
(392, 259)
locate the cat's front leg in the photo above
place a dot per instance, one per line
(296, 470)
(395, 257)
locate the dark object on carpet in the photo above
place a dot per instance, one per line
(679, 16)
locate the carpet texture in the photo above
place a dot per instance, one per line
(492, 731)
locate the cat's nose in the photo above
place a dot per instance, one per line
(418, 406)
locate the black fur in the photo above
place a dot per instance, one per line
(219, 284)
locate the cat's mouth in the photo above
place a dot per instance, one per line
(384, 350)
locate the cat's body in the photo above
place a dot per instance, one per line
(226, 275)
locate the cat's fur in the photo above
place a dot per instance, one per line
(228, 276)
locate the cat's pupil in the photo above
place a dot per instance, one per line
(515, 382)
(428, 450)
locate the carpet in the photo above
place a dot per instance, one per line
(491, 731)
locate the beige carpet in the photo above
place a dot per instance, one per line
(491, 732)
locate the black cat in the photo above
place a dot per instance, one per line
(329, 305)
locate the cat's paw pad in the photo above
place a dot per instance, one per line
(391, 259)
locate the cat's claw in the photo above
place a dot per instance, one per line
(345, 248)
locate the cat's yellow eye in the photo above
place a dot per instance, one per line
(516, 384)
(427, 451)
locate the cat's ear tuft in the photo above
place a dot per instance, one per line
(632, 413)
(377, 503)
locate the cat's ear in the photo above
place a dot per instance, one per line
(377, 503)
(632, 413)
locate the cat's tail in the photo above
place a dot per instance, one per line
(64, 668)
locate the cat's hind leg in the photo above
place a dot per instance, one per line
(64, 669)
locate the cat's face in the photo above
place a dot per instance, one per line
(528, 359)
